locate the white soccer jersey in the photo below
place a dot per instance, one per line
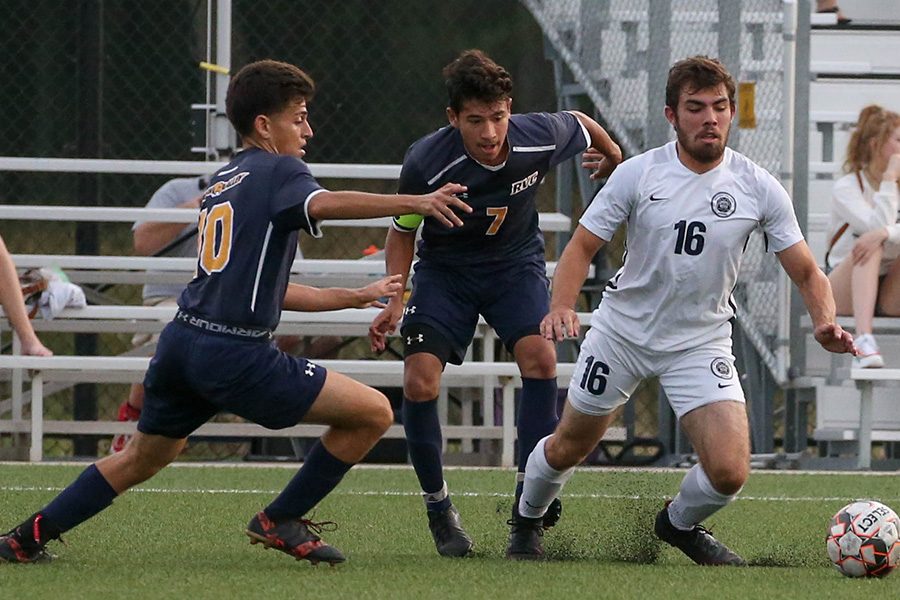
(685, 238)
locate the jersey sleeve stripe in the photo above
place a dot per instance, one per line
(452, 164)
(313, 224)
(534, 148)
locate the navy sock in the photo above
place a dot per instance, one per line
(84, 498)
(424, 440)
(537, 416)
(320, 473)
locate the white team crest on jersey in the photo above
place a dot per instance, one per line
(721, 368)
(723, 204)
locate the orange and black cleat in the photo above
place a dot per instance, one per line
(296, 537)
(23, 543)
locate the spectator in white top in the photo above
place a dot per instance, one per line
(865, 229)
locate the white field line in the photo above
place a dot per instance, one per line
(293, 466)
(396, 493)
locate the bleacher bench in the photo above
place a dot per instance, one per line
(372, 372)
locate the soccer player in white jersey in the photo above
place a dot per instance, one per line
(690, 207)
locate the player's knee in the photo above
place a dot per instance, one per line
(421, 387)
(564, 453)
(541, 369)
(728, 479)
(382, 415)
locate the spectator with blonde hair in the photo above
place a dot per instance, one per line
(14, 306)
(865, 232)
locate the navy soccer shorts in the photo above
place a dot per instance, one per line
(512, 298)
(195, 375)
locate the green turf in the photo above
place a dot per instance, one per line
(180, 535)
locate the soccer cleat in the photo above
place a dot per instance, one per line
(525, 537)
(554, 512)
(869, 356)
(450, 538)
(697, 543)
(22, 544)
(296, 537)
(126, 413)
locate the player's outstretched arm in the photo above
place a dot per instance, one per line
(604, 154)
(442, 204)
(571, 271)
(399, 249)
(312, 299)
(815, 289)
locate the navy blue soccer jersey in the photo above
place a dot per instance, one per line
(250, 217)
(503, 224)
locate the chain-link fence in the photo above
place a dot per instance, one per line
(620, 52)
(116, 80)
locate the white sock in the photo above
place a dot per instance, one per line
(696, 500)
(542, 483)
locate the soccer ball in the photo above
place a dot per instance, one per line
(864, 539)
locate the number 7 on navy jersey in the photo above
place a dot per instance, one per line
(214, 229)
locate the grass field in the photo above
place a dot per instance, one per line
(180, 535)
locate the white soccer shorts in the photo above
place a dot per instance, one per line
(609, 369)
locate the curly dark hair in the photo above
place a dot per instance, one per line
(474, 76)
(265, 87)
(694, 74)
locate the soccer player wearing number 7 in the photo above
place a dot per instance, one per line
(493, 265)
(690, 207)
(217, 354)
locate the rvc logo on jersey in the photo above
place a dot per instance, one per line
(219, 187)
(523, 184)
(723, 204)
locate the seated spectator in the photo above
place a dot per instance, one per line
(14, 306)
(863, 253)
(831, 6)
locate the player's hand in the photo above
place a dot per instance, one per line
(384, 324)
(599, 163)
(371, 295)
(867, 244)
(833, 338)
(440, 204)
(35, 348)
(560, 323)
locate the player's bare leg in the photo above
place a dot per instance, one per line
(357, 416)
(549, 467)
(537, 418)
(720, 436)
(421, 384)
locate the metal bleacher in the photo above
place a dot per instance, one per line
(851, 66)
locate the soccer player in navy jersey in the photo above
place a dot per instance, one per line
(217, 355)
(493, 265)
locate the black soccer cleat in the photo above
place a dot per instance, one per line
(525, 535)
(296, 537)
(697, 543)
(23, 544)
(554, 512)
(450, 538)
